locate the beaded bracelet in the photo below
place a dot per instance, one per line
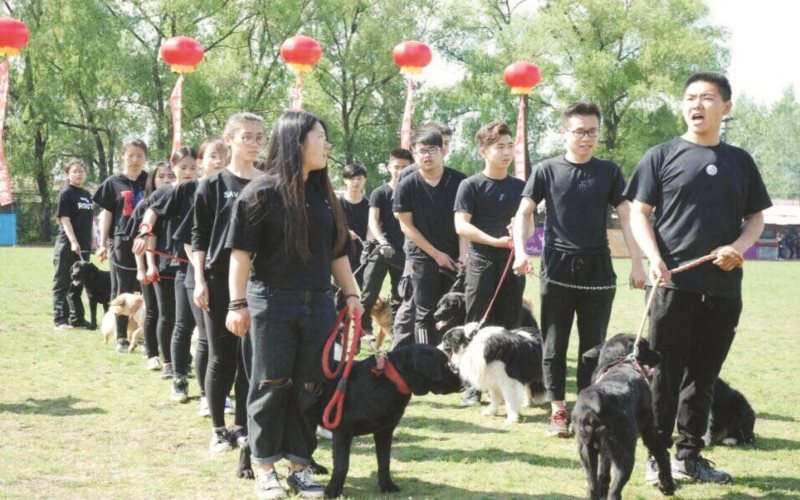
(237, 304)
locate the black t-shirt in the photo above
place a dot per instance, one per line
(700, 195)
(492, 203)
(76, 203)
(576, 197)
(212, 211)
(172, 210)
(183, 236)
(265, 238)
(406, 172)
(432, 209)
(112, 196)
(382, 199)
(357, 215)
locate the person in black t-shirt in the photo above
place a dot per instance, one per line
(388, 235)
(708, 197)
(424, 202)
(244, 133)
(577, 277)
(288, 227)
(74, 243)
(118, 196)
(356, 211)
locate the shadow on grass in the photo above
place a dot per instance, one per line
(445, 425)
(58, 407)
(415, 488)
(766, 444)
(776, 417)
(494, 455)
(769, 484)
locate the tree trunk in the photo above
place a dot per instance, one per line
(42, 182)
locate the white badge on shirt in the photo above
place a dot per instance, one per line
(712, 169)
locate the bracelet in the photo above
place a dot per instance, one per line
(237, 304)
(352, 295)
(142, 227)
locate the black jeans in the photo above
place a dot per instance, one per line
(165, 295)
(430, 283)
(403, 323)
(483, 276)
(200, 359)
(181, 341)
(375, 271)
(225, 354)
(150, 326)
(67, 303)
(561, 304)
(288, 331)
(123, 277)
(693, 333)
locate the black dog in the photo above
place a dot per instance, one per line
(97, 284)
(611, 413)
(732, 419)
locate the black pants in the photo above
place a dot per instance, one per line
(375, 271)
(483, 276)
(561, 304)
(200, 359)
(123, 277)
(693, 333)
(165, 295)
(225, 355)
(403, 323)
(181, 341)
(67, 303)
(430, 283)
(150, 326)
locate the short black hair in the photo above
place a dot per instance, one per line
(402, 154)
(581, 108)
(134, 143)
(441, 127)
(72, 163)
(354, 170)
(720, 80)
(428, 137)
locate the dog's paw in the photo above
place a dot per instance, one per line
(730, 441)
(317, 469)
(333, 490)
(245, 474)
(512, 418)
(489, 411)
(667, 487)
(389, 487)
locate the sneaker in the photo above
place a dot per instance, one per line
(239, 437)
(267, 485)
(303, 483)
(83, 324)
(63, 326)
(153, 364)
(229, 408)
(180, 390)
(699, 469)
(472, 397)
(651, 471)
(220, 440)
(123, 346)
(203, 410)
(166, 372)
(324, 433)
(559, 424)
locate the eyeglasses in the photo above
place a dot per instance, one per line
(431, 151)
(253, 139)
(579, 133)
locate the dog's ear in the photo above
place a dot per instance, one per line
(118, 301)
(592, 355)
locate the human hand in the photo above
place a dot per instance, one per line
(238, 321)
(728, 258)
(200, 296)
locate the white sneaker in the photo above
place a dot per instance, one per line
(220, 441)
(229, 408)
(153, 364)
(203, 410)
(267, 485)
(324, 433)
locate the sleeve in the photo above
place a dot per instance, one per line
(465, 198)
(183, 234)
(536, 185)
(105, 197)
(164, 201)
(62, 206)
(757, 197)
(203, 218)
(402, 196)
(645, 184)
(346, 249)
(617, 187)
(132, 228)
(376, 197)
(242, 235)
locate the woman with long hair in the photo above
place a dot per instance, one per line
(289, 229)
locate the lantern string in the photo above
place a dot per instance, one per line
(6, 194)
(176, 107)
(408, 112)
(297, 95)
(519, 145)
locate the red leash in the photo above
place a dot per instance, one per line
(499, 285)
(344, 366)
(169, 256)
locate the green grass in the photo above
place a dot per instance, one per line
(79, 421)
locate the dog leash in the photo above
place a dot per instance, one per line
(336, 404)
(497, 290)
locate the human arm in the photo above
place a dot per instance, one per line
(145, 227)
(343, 276)
(66, 223)
(645, 237)
(751, 230)
(637, 276)
(469, 232)
(104, 221)
(238, 320)
(521, 232)
(412, 233)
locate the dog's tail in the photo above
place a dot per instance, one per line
(589, 410)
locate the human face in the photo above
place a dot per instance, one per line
(185, 169)
(133, 159)
(213, 161)
(499, 154)
(703, 109)
(428, 157)
(355, 184)
(445, 146)
(396, 165)
(164, 177)
(247, 141)
(315, 149)
(577, 133)
(76, 175)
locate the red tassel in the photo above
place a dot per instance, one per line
(6, 194)
(408, 112)
(297, 96)
(176, 106)
(519, 145)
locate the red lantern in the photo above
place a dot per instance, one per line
(522, 77)
(301, 53)
(412, 56)
(13, 36)
(182, 53)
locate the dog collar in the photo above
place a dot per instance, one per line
(627, 359)
(386, 368)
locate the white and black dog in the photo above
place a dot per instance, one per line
(505, 363)
(731, 419)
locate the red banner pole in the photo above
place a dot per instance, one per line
(408, 113)
(176, 106)
(520, 159)
(6, 193)
(297, 95)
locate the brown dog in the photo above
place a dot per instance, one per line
(127, 304)
(382, 318)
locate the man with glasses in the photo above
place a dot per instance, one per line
(577, 278)
(423, 203)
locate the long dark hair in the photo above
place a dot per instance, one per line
(284, 170)
(151, 176)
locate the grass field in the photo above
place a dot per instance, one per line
(79, 421)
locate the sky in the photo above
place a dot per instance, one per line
(762, 43)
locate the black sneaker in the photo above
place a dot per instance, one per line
(180, 390)
(699, 469)
(220, 440)
(167, 372)
(303, 483)
(472, 397)
(83, 324)
(123, 346)
(239, 437)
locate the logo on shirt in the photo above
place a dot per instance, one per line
(84, 203)
(230, 194)
(712, 169)
(585, 184)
